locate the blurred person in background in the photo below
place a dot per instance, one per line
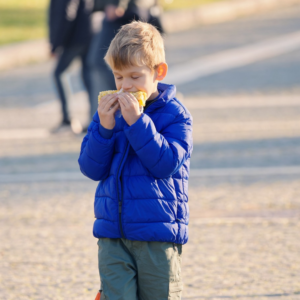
(117, 13)
(70, 33)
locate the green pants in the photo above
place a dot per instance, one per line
(134, 270)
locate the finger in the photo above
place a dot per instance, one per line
(132, 101)
(110, 102)
(122, 98)
(103, 101)
(123, 101)
(110, 105)
(114, 108)
(131, 98)
(106, 99)
(110, 108)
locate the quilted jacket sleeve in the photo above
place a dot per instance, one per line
(162, 153)
(96, 153)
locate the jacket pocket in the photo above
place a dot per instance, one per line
(175, 290)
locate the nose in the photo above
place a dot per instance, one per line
(126, 85)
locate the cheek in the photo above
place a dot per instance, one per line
(147, 83)
(150, 85)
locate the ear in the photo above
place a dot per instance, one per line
(161, 71)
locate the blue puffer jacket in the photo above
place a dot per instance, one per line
(143, 171)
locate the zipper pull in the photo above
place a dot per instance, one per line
(120, 207)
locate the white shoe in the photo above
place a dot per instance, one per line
(76, 126)
(62, 128)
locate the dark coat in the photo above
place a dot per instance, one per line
(69, 23)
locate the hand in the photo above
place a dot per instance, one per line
(106, 109)
(130, 108)
(113, 12)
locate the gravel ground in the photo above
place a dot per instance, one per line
(48, 252)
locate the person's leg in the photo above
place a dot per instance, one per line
(159, 271)
(85, 70)
(87, 80)
(63, 63)
(117, 270)
(101, 77)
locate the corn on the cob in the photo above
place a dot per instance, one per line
(140, 96)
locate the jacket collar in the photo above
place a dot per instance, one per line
(168, 92)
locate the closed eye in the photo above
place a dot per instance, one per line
(135, 77)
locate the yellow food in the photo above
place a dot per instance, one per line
(140, 96)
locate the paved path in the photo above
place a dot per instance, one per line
(244, 229)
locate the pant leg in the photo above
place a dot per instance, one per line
(117, 270)
(159, 271)
(86, 77)
(63, 63)
(101, 76)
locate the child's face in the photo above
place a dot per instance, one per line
(136, 78)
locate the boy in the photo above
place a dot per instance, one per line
(142, 160)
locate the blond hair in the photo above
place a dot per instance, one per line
(136, 44)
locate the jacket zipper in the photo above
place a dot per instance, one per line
(118, 194)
